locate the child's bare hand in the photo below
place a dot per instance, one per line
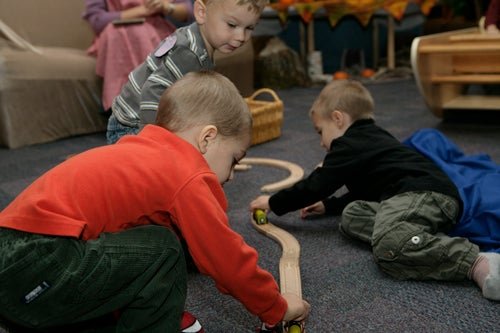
(261, 202)
(298, 309)
(317, 208)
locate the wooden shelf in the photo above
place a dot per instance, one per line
(460, 48)
(445, 64)
(471, 102)
(470, 37)
(466, 78)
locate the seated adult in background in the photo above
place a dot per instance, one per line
(126, 32)
(492, 17)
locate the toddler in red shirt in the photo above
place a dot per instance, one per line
(100, 232)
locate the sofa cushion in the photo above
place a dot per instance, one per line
(47, 96)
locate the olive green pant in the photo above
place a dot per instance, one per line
(139, 274)
(407, 235)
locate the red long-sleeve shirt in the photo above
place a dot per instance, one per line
(152, 178)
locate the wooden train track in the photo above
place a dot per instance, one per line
(295, 171)
(289, 265)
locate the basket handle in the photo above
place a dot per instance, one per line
(264, 90)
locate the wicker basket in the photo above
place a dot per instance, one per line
(267, 116)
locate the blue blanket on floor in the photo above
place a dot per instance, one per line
(478, 180)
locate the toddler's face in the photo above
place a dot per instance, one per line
(327, 128)
(227, 25)
(223, 154)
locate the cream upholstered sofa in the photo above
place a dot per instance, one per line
(48, 86)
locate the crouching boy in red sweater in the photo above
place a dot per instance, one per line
(100, 232)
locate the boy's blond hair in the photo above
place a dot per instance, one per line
(255, 5)
(205, 98)
(348, 96)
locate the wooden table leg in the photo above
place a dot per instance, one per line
(391, 45)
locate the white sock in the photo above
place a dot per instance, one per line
(491, 286)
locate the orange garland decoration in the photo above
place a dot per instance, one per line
(336, 9)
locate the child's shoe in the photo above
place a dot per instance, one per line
(189, 324)
(264, 328)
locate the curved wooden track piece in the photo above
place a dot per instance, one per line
(296, 172)
(289, 267)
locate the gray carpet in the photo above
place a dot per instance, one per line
(347, 291)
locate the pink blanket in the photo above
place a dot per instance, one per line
(121, 48)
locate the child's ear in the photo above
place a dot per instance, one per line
(342, 119)
(207, 135)
(337, 117)
(199, 11)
